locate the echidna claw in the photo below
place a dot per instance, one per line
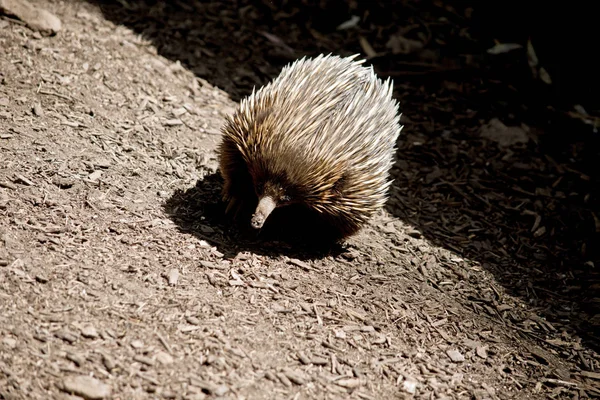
(231, 205)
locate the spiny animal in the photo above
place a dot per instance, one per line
(322, 134)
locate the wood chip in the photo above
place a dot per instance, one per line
(8, 185)
(23, 180)
(173, 122)
(591, 375)
(144, 360)
(350, 383)
(284, 379)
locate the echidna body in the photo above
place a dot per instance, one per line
(321, 134)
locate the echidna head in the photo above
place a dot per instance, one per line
(271, 194)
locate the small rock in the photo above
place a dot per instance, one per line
(11, 343)
(137, 344)
(164, 358)
(94, 176)
(102, 163)
(410, 386)
(455, 356)
(76, 358)
(63, 183)
(294, 377)
(414, 233)
(206, 229)
(482, 351)
(167, 394)
(220, 390)
(87, 387)
(66, 336)
(34, 16)
(41, 278)
(173, 276)
(178, 112)
(108, 362)
(504, 135)
(401, 45)
(37, 109)
(89, 331)
(340, 334)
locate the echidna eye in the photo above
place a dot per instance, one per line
(285, 198)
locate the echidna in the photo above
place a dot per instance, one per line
(322, 134)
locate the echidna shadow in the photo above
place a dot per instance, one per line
(293, 231)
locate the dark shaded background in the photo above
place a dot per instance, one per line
(461, 191)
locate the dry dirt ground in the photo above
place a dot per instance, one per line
(477, 282)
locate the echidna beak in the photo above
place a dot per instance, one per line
(265, 207)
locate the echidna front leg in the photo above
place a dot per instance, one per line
(234, 205)
(237, 188)
(235, 202)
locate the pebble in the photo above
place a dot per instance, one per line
(76, 358)
(66, 336)
(10, 342)
(164, 358)
(108, 362)
(220, 390)
(94, 176)
(173, 276)
(455, 356)
(34, 16)
(37, 109)
(410, 386)
(294, 377)
(482, 351)
(89, 331)
(87, 387)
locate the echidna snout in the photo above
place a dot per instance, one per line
(265, 207)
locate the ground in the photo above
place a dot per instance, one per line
(478, 280)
